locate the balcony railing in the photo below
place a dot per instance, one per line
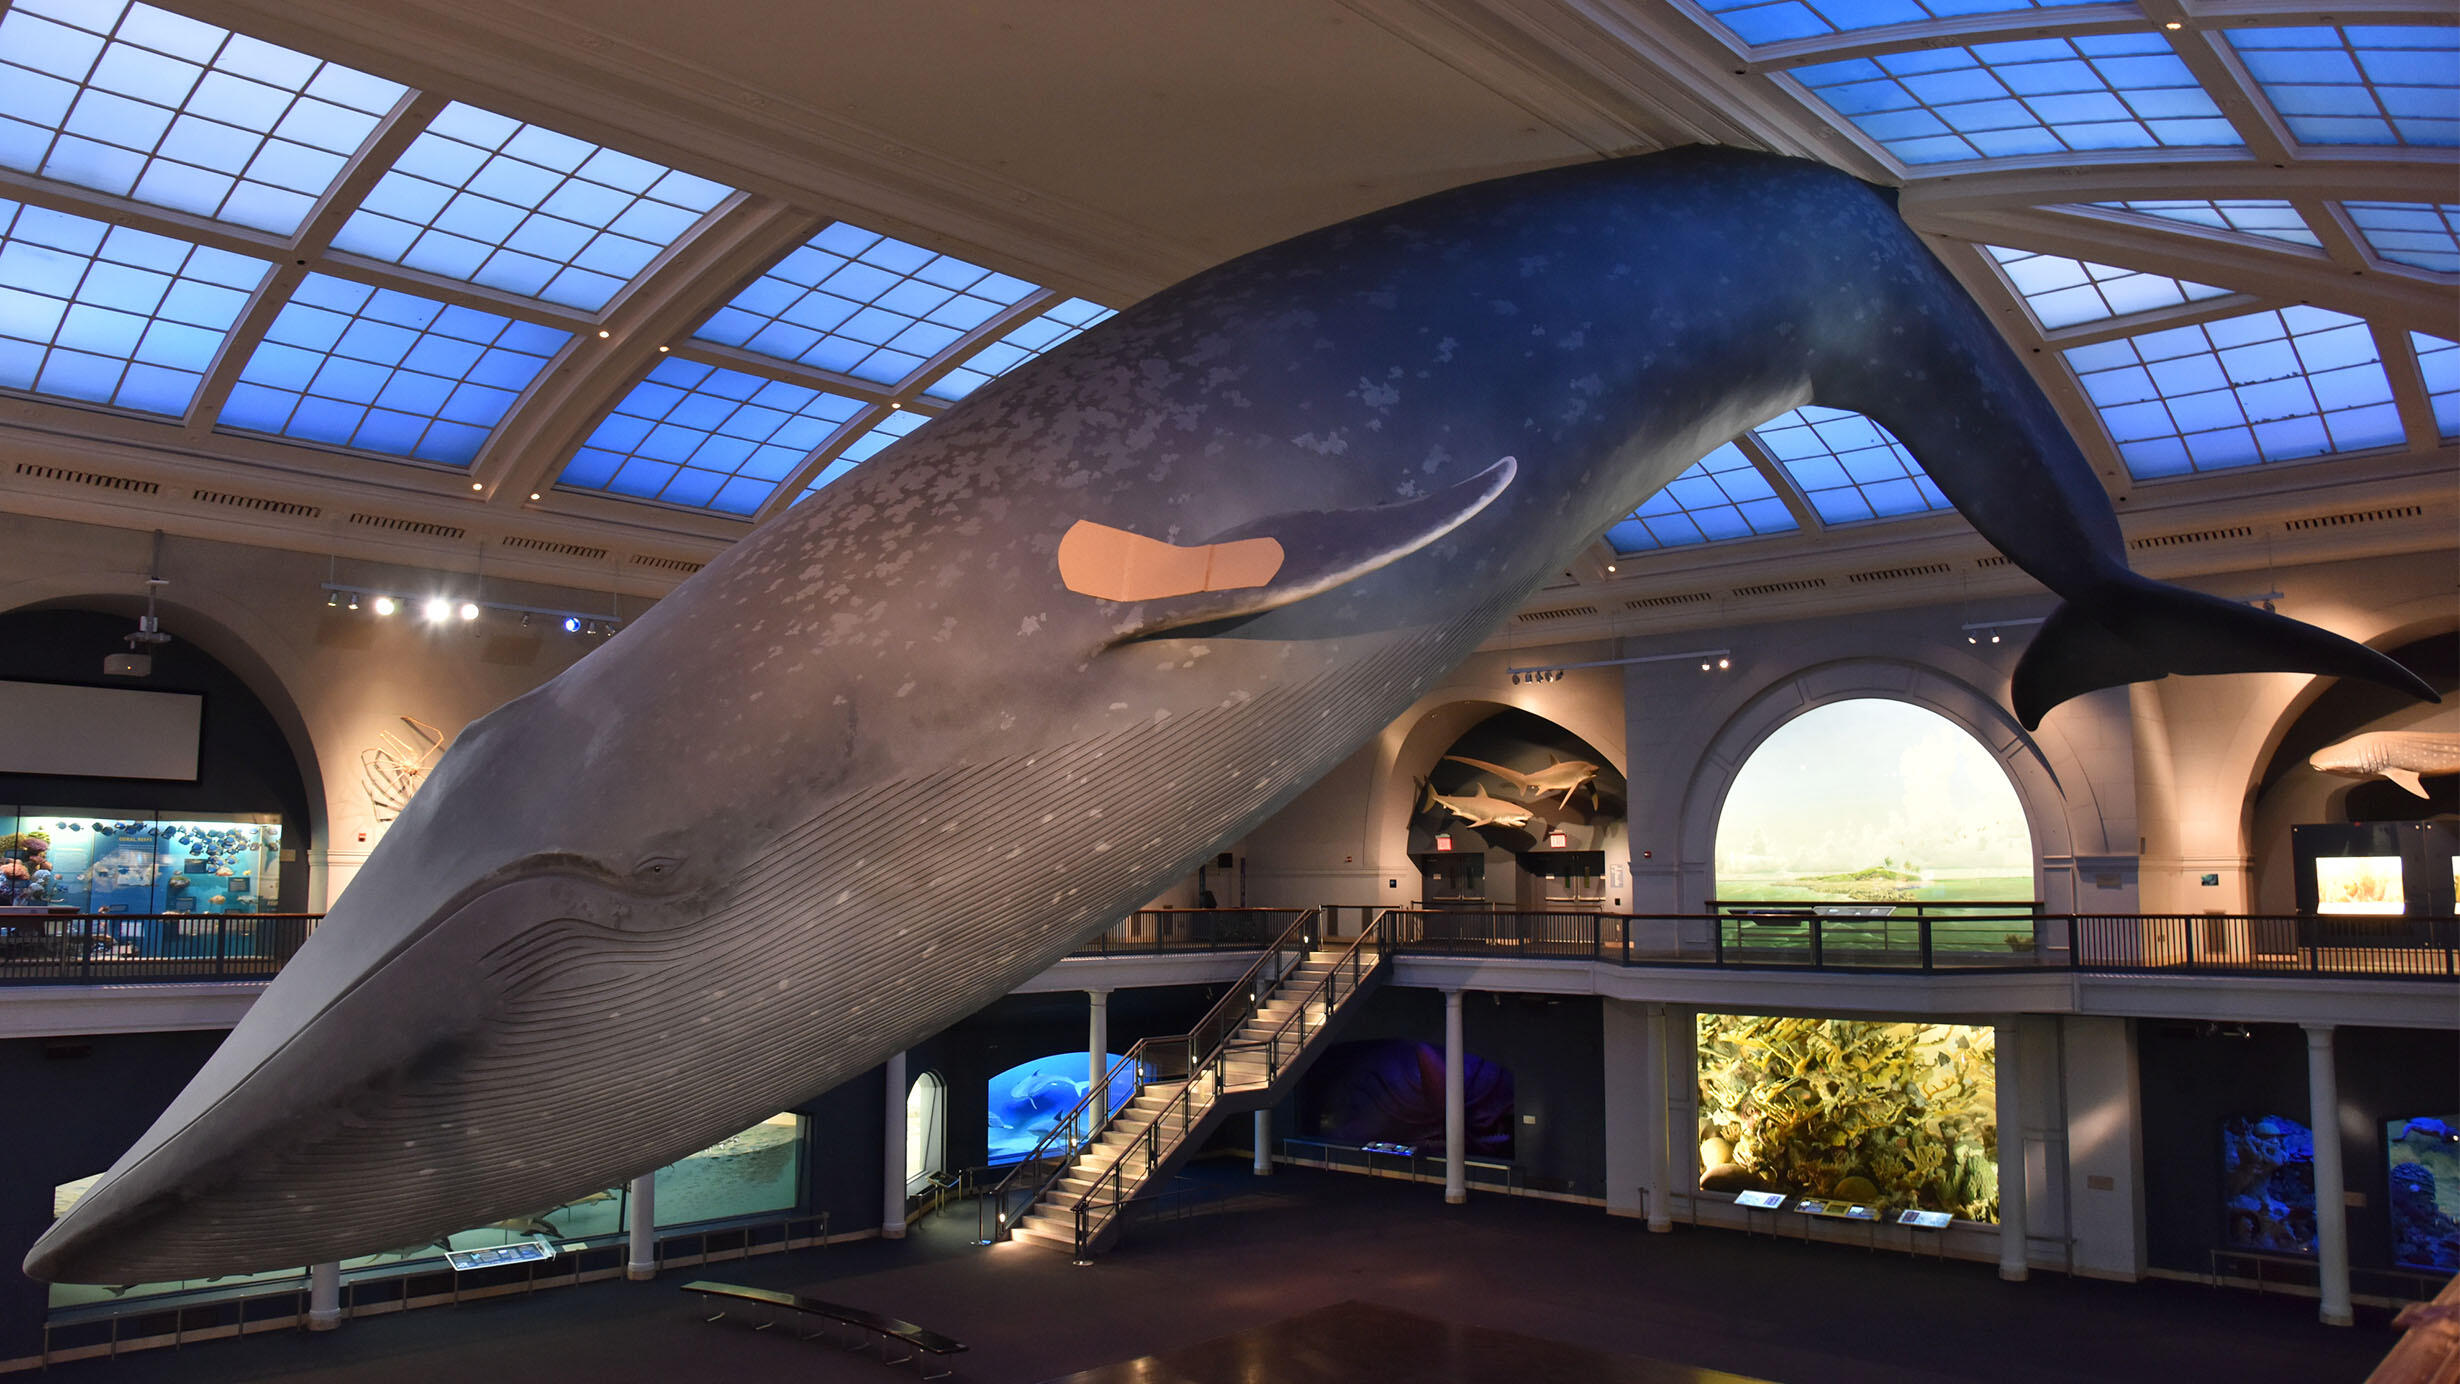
(111, 948)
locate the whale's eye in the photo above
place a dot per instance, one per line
(657, 869)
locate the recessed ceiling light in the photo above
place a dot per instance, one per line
(661, 350)
(602, 334)
(478, 485)
(2173, 24)
(533, 494)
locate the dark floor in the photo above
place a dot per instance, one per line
(1261, 1252)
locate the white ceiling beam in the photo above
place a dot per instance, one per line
(963, 348)
(1772, 471)
(1960, 31)
(2217, 69)
(2177, 173)
(790, 489)
(2408, 387)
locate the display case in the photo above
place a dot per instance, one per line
(2375, 869)
(139, 863)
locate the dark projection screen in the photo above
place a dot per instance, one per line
(100, 732)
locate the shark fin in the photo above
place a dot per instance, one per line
(1496, 769)
(2408, 779)
(1265, 565)
(2137, 630)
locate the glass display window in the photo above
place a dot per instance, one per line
(140, 862)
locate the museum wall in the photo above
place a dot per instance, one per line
(75, 1105)
(2197, 1077)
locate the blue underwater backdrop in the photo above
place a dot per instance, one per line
(2424, 1153)
(1391, 1091)
(2268, 1184)
(1028, 1099)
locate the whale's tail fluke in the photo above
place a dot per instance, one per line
(2136, 630)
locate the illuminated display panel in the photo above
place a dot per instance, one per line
(488, 200)
(2030, 96)
(153, 106)
(706, 437)
(347, 365)
(861, 304)
(110, 315)
(2358, 884)
(2265, 386)
(2269, 217)
(1722, 495)
(2064, 292)
(1024, 342)
(2384, 84)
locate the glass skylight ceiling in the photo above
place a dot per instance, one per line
(142, 103)
(1774, 21)
(2031, 96)
(2064, 292)
(2387, 84)
(1722, 495)
(864, 448)
(351, 366)
(111, 315)
(2267, 386)
(707, 437)
(2439, 361)
(2423, 234)
(489, 200)
(2271, 218)
(1847, 466)
(863, 305)
(1024, 342)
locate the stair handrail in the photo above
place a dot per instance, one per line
(1380, 933)
(1244, 995)
(1137, 1060)
(1149, 1142)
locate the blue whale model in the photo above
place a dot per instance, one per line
(906, 745)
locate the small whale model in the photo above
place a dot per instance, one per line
(2403, 756)
(905, 745)
(1566, 775)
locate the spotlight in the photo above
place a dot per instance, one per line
(386, 605)
(533, 494)
(332, 599)
(1973, 639)
(438, 608)
(602, 334)
(478, 485)
(354, 600)
(525, 619)
(661, 350)
(1724, 663)
(1994, 636)
(469, 610)
(572, 625)
(1609, 566)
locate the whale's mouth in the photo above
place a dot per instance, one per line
(357, 1131)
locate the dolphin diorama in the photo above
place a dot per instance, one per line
(1150, 587)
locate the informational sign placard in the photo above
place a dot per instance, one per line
(1396, 1150)
(1760, 1201)
(1924, 1220)
(496, 1256)
(1836, 1210)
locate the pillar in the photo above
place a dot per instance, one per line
(324, 1296)
(1097, 1052)
(2014, 1262)
(641, 1264)
(1634, 1127)
(1456, 1105)
(892, 1151)
(1655, 1090)
(1264, 1143)
(2331, 1192)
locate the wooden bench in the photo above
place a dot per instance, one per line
(919, 1341)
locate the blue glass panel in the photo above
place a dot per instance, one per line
(1722, 495)
(862, 304)
(1758, 22)
(2035, 96)
(111, 315)
(346, 365)
(2063, 292)
(2439, 361)
(873, 441)
(2265, 386)
(2359, 85)
(146, 104)
(485, 198)
(2423, 234)
(1022, 343)
(2270, 218)
(1847, 466)
(706, 437)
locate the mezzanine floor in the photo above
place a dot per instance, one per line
(1250, 1253)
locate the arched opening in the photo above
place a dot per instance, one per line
(1517, 811)
(1028, 1100)
(926, 1131)
(1870, 802)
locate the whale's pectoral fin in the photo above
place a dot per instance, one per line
(2408, 779)
(2137, 630)
(1260, 566)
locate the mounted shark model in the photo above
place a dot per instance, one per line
(1479, 810)
(1566, 775)
(772, 832)
(2403, 756)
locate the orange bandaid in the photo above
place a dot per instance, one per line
(1115, 565)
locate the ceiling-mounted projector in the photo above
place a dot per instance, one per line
(128, 665)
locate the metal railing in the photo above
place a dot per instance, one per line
(1146, 1150)
(1155, 931)
(111, 948)
(1177, 1057)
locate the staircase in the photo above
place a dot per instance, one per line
(1245, 1055)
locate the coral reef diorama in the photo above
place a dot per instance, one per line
(2424, 1152)
(2268, 1184)
(1899, 1114)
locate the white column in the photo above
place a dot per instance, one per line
(1264, 1143)
(1654, 1090)
(642, 1263)
(2014, 1262)
(892, 1151)
(1634, 1128)
(2331, 1195)
(324, 1296)
(1456, 1105)
(1097, 1051)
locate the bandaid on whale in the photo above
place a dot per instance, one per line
(907, 744)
